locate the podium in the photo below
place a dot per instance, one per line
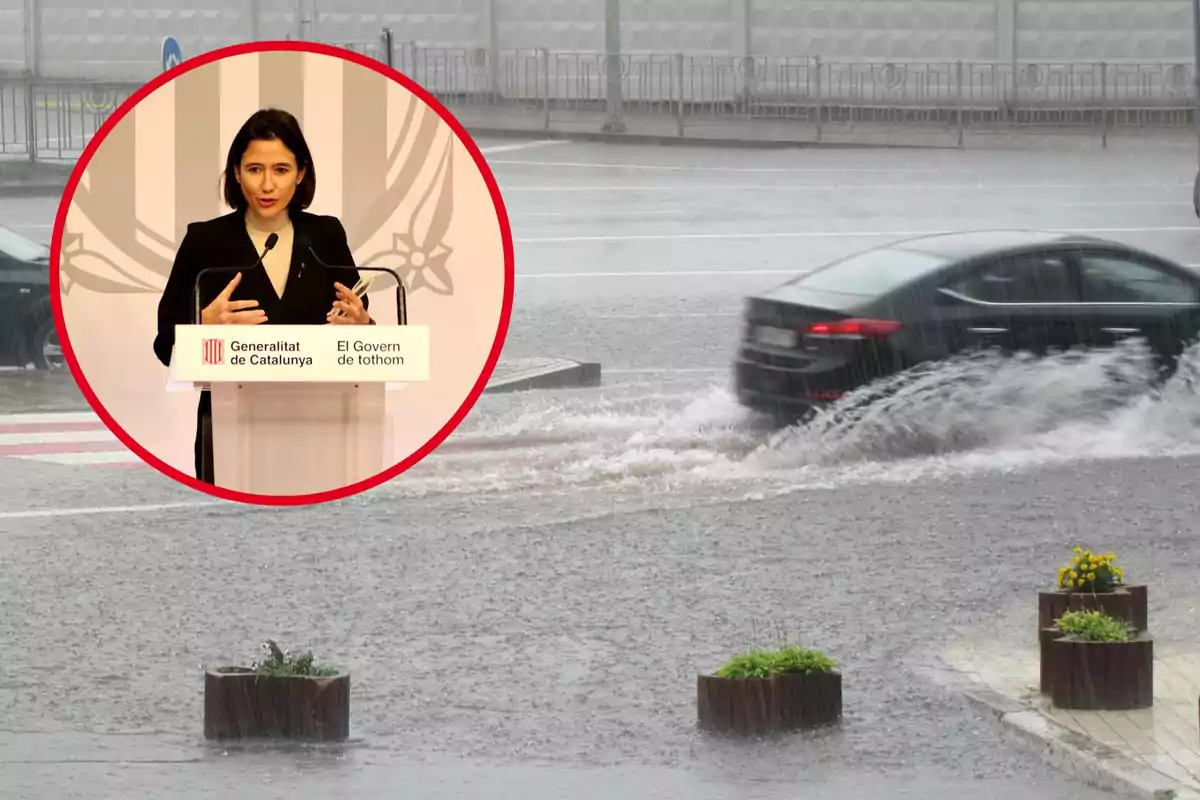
(299, 409)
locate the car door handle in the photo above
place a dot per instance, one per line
(987, 330)
(1121, 330)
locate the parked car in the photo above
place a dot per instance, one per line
(27, 333)
(1196, 194)
(817, 337)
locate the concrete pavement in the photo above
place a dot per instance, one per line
(525, 611)
(521, 648)
(1147, 753)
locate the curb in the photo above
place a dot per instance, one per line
(32, 189)
(522, 375)
(1076, 755)
(686, 141)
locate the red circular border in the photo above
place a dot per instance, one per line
(362, 61)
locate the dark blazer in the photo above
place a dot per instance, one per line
(224, 242)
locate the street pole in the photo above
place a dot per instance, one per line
(1196, 76)
(612, 47)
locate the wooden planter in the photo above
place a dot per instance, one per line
(756, 706)
(1046, 639)
(1127, 603)
(241, 704)
(1102, 676)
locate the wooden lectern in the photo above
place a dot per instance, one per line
(299, 409)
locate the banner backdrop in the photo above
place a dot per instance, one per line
(404, 186)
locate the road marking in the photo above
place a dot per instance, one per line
(585, 216)
(508, 148)
(683, 273)
(635, 212)
(664, 237)
(67, 438)
(697, 314)
(667, 370)
(690, 168)
(47, 427)
(1119, 203)
(96, 510)
(719, 189)
(115, 457)
(39, 417)
(51, 441)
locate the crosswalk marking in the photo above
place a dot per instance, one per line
(74, 438)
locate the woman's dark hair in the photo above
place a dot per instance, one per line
(270, 124)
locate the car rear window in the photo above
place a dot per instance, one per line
(872, 272)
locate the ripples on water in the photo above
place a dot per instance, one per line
(984, 411)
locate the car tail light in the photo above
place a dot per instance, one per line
(852, 329)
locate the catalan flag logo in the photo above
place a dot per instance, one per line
(214, 351)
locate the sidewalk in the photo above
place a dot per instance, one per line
(19, 178)
(1150, 753)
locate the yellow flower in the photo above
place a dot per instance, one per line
(1091, 576)
(1075, 560)
(1078, 549)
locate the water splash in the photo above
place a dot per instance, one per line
(979, 412)
(979, 401)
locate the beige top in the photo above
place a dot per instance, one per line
(278, 262)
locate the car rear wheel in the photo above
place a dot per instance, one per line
(44, 350)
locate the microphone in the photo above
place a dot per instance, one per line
(272, 240)
(401, 292)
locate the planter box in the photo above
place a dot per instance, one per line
(756, 706)
(1102, 676)
(1141, 608)
(1128, 603)
(241, 704)
(1046, 639)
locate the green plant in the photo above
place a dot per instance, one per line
(1093, 626)
(280, 662)
(787, 659)
(1089, 572)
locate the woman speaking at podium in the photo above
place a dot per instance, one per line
(276, 263)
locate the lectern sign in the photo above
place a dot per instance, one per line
(307, 353)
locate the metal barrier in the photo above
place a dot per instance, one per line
(803, 98)
(54, 120)
(692, 90)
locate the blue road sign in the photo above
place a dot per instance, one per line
(172, 53)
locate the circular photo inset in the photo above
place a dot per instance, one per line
(282, 273)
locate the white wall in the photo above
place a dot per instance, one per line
(120, 39)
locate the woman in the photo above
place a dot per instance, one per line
(304, 279)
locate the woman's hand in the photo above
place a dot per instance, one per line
(350, 305)
(223, 311)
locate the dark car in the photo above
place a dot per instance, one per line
(27, 333)
(816, 338)
(1196, 194)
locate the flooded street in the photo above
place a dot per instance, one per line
(524, 613)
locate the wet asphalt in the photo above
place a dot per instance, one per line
(515, 626)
